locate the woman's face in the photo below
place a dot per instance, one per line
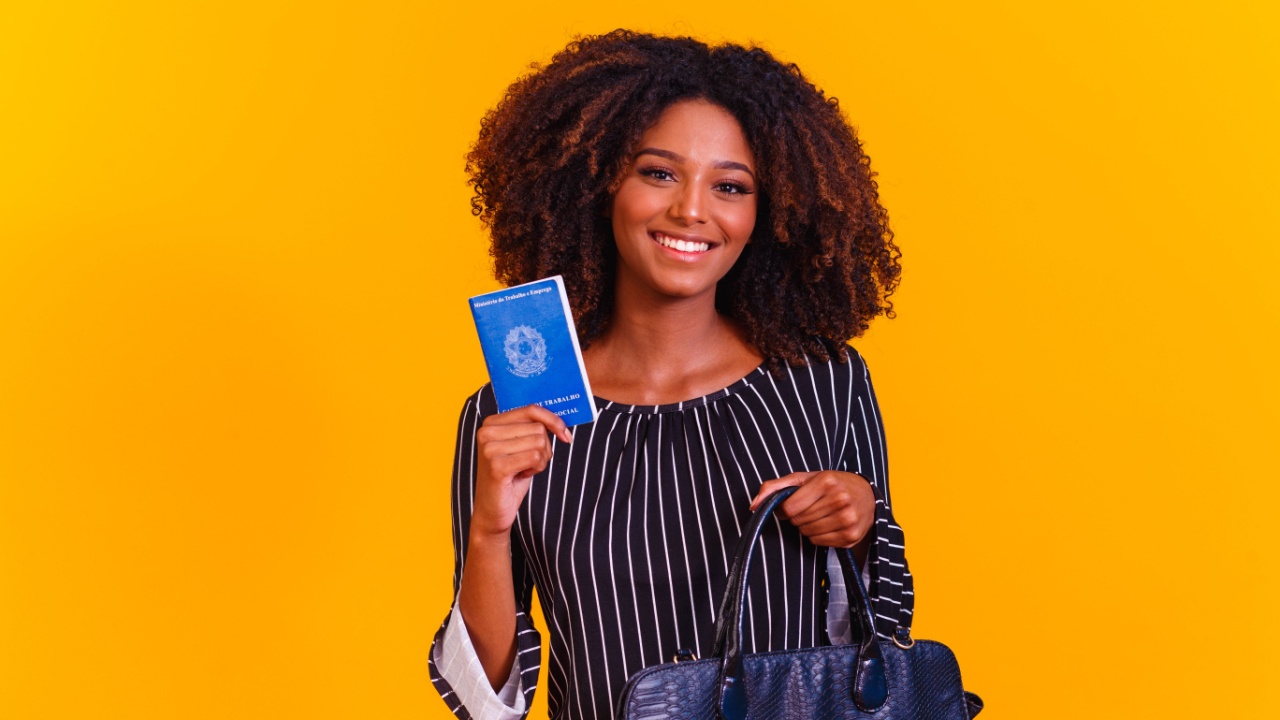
(687, 204)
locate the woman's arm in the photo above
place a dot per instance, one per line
(486, 600)
(463, 681)
(511, 448)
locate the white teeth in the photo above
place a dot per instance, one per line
(681, 245)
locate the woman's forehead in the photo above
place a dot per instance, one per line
(697, 131)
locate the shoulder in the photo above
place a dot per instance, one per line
(846, 381)
(851, 367)
(856, 365)
(836, 381)
(480, 404)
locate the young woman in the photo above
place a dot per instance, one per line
(720, 237)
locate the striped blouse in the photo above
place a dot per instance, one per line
(628, 533)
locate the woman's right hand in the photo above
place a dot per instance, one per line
(512, 447)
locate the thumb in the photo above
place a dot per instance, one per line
(769, 487)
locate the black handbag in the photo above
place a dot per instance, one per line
(897, 679)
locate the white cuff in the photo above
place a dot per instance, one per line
(839, 627)
(458, 664)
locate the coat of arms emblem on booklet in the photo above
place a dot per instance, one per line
(531, 350)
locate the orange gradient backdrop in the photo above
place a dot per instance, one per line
(235, 245)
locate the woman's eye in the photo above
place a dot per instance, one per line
(656, 173)
(732, 188)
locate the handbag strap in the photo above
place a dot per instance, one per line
(888, 578)
(869, 686)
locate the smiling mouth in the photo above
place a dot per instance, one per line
(686, 246)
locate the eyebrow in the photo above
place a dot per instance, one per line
(676, 157)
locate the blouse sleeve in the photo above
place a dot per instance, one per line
(889, 580)
(455, 668)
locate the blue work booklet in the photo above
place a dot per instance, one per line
(531, 349)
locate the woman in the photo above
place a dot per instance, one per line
(720, 236)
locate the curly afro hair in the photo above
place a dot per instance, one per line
(822, 262)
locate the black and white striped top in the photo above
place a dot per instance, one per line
(629, 532)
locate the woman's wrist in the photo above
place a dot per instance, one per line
(487, 541)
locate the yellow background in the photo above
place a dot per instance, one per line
(235, 246)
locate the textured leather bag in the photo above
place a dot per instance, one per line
(871, 678)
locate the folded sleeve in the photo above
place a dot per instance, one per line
(458, 675)
(888, 579)
(455, 668)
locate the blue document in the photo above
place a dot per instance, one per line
(531, 349)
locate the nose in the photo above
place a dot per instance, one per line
(689, 204)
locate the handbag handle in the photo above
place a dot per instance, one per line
(870, 689)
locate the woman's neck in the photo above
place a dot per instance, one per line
(656, 352)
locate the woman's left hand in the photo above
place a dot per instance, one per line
(831, 508)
